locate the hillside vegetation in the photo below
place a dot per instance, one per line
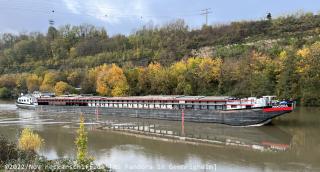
(248, 58)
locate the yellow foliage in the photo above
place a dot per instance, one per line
(49, 78)
(260, 62)
(209, 68)
(33, 82)
(309, 56)
(21, 80)
(48, 82)
(178, 68)
(46, 88)
(73, 52)
(193, 62)
(82, 142)
(282, 58)
(305, 52)
(315, 48)
(111, 81)
(283, 55)
(30, 141)
(117, 91)
(154, 68)
(62, 88)
(8, 80)
(158, 77)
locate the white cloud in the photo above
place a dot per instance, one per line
(112, 12)
(72, 5)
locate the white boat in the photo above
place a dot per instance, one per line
(27, 101)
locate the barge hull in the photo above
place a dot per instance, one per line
(245, 117)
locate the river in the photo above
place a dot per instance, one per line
(290, 143)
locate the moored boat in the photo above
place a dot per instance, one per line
(210, 109)
(26, 102)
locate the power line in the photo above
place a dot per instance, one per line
(206, 12)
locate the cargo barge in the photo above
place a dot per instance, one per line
(209, 109)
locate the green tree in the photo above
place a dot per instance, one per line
(75, 78)
(133, 75)
(88, 84)
(288, 79)
(82, 143)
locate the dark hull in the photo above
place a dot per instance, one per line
(244, 117)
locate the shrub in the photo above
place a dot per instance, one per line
(30, 141)
(10, 153)
(5, 92)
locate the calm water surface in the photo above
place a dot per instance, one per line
(291, 143)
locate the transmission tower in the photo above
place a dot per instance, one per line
(51, 21)
(205, 13)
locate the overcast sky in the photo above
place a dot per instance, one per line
(125, 16)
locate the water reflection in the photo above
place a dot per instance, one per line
(290, 144)
(260, 138)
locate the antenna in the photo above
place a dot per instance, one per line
(206, 12)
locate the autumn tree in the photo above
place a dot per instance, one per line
(21, 83)
(309, 69)
(62, 88)
(33, 82)
(178, 71)
(263, 74)
(111, 81)
(158, 78)
(74, 78)
(288, 78)
(8, 81)
(207, 75)
(49, 81)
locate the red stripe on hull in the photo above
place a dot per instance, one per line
(275, 109)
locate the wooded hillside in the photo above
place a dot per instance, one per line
(249, 58)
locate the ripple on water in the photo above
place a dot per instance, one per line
(129, 147)
(4, 107)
